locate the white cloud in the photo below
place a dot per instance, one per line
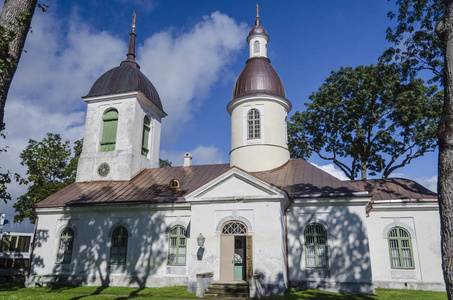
(184, 66)
(332, 170)
(60, 66)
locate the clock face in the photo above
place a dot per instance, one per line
(103, 169)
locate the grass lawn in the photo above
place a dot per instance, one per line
(14, 291)
(381, 294)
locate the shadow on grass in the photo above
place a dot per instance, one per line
(292, 294)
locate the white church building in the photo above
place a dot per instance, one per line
(263, 221)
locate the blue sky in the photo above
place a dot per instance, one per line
(192, 51)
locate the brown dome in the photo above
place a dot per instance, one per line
(258, 76)
(125, 78)
(258, 29)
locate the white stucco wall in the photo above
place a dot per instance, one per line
(126, 160)
(423, 223)
(266, 228)
(270, 150)
(147, 249)
(349, 268)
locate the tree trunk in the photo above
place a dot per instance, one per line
(363, 169)
(15, 17)
(445, 179)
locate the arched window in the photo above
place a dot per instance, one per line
(400, 248)
(118, 250)
(256, 47)
(316, 252)
(109, 127)
(234, 227)
(145, 138)
(177, 246)
(253, 118)
(65, 246)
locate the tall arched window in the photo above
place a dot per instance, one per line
(253, 118)
(109, 128)
(65, 246)
(316, 252)
(118, 250)
(256, 47)
(177, 246)
(400, 248)
(145, 138)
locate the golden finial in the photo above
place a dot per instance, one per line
(257, 12)
(134, 19)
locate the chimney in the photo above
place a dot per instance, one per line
(187, 160)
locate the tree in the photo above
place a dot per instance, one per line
(50, 168)
(164, 163)
(431, 21)
(367, 114)
(15, 20)
(422, 49)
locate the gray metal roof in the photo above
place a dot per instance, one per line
(258, 76)
(125, 78)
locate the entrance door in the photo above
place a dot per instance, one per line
(236, 252)
(227, 258)
(239, 258)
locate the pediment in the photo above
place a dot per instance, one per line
(235, 184)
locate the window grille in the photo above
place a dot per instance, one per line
(400, 248)
(177, 246)
(118, 250)
(316, 251)
(65, 246)
(253, 119)
(234, 228)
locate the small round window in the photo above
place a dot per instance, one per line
(174, 184)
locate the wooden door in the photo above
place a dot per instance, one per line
(227, 258)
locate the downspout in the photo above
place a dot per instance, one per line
(286, 237)
(34, 239)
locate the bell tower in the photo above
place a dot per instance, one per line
(123, 123)
(258, 110)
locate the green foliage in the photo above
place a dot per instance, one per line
(164, 163)
(367, 114)
(50, 168)
(417, 46)
(8, 177)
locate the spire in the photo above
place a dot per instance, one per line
(257, 22)
(130, 56)
(132, 36)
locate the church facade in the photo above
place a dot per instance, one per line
(264, 219)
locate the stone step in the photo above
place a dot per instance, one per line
(221, 290)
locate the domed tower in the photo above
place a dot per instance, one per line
(258, 110)
(123, 123)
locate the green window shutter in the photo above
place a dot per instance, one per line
(145, 137)
(109, 129)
